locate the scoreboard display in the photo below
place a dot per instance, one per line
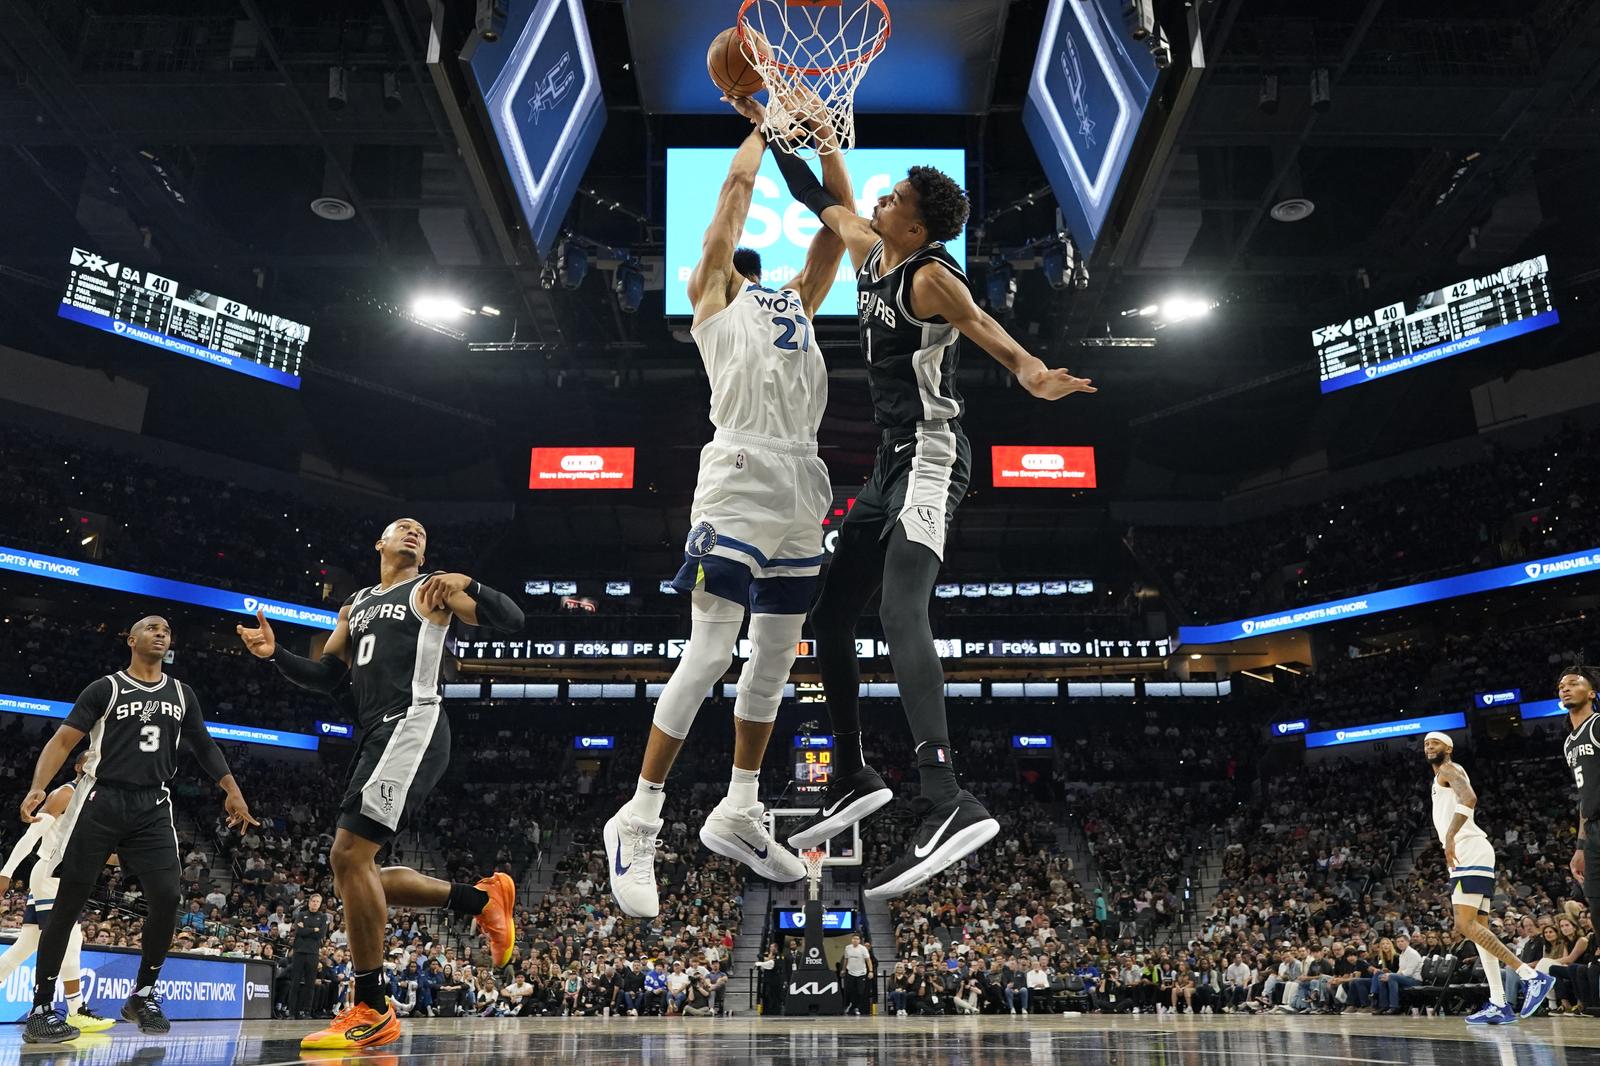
(1457, 318)
(813, 762)
(144, 306)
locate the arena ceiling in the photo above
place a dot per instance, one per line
(1461, 135)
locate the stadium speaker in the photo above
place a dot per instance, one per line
(1267, 97)
(1002, 287)
(391, 91)
(1321, 90)
(629, 286)
(572, 262)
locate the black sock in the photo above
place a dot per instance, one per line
(937, 769)
(847, 754)
(44, 992)
(465, 899)
(369, 989)
(145, 982)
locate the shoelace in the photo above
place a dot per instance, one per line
(150, 1003)
(644, 858)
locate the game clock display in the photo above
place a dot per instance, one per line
(144, 306)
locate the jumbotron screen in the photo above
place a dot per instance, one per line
(144, 306)
(1458, 318)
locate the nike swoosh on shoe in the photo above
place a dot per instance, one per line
(761, 853)
(922, 851)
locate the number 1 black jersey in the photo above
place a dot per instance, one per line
(911, 364)
(395, 653)
(1582, 751)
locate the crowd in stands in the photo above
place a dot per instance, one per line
(1507, 506)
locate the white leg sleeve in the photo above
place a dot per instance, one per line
(706, 658)
(774, 640)
(72, 962)
(26, 943)
(1491, 974)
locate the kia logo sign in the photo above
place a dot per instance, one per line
(1043, 461)
(581, 468)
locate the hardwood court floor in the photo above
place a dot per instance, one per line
(1028, 1040)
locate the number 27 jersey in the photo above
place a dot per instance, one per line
(766, 368)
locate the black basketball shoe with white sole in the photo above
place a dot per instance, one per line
(48, 1027)
(847, 800)
(945, 835)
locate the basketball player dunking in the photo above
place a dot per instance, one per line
(135, 720)
(914, 307)
(45, 835)
(390, 640)
(1469, 858)
(755, 540)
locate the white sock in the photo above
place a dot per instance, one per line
(1526, 972)
(742, 789)
(74, 1001)
(647, 801)
(1491, 972)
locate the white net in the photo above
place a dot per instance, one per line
(813, 861)
(812, 55)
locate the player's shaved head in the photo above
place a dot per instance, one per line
(400, 524)
(405, 540)
(150, 620)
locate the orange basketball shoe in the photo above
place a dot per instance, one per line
(355, 1027)
(498, 920)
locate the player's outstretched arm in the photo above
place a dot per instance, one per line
(54, 754)
(838, 215)
(935, 292)
(323, 675)
(708, 284)
(471, 601)
(827, 247)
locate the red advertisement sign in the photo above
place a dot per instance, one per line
(1042, 466)
(581, 468)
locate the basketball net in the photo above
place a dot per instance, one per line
(816, 53)
(813, 860)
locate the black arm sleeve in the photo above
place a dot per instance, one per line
(212, 762)
(92, 704)
(495, 609)
(323, 675)
(803, 184)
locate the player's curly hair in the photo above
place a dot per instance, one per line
(1588, 673)
(941, 202)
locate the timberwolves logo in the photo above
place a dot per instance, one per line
(702, 538)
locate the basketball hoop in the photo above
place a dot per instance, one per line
(817, 53)
(813, 859)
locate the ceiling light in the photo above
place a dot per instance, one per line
(435, 308)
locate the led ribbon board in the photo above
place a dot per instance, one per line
(105, 577)
(541, 90)
(143, 306)
(1443, 588)
(1400, 727)
(237, 734)
(1458, 318)
(1091, 84)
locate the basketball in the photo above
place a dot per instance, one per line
(728, 65)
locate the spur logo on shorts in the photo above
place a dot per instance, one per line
(929, 519)
(386, 796)
(702, 538)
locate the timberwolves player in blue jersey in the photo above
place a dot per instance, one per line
(914, 306)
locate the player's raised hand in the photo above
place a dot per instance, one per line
(1048, 384)
(260, 640)
(1577, 865)
(238, 811)
(438, 588)
(749, 107)
(30, 804)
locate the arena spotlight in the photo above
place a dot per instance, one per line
(572, 263)
(432, 307)
(1177, 309)
(629, 285)
(1002, 285)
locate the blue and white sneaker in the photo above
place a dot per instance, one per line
(1537, 988)
(631, 864)
(1492, 1014)
(741, 836)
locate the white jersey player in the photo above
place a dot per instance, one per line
(1469, 858)
(755, 537)
(45, 837)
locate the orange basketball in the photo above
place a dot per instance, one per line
(728, 65)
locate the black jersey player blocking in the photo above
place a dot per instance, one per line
(913, 307)
(135, 720)
(390, 641)
(1575, 690)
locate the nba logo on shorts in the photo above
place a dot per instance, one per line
(738, 461)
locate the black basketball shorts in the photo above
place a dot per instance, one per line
(134, 823)
(398, 762)
(920, 476)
